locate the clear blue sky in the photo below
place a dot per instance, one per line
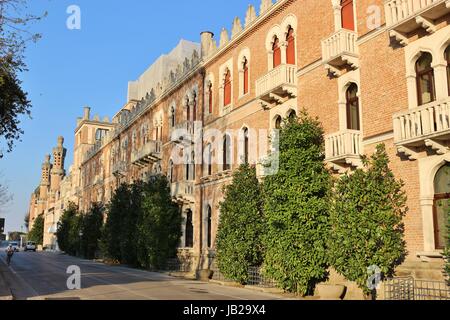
(118, 40)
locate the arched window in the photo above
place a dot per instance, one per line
(278, 122)
(188, 110)
(189, 233)
(187, 166)
(352, 107)
(290, 50)
(210, 98)
(291, 115)
(276, 52)
(245, 71)
(172, 117)
(245, 145)
(447, 57)
(348, 19)
(227, 88)
(441, 205)
(425, 79)
(209, 227)
(194, 108)
(226, 152)
(171, 177)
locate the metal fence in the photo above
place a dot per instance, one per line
(408, 288)
(256, 277)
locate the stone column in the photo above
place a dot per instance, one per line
(441, 82)
(426, 204)
(412, 91)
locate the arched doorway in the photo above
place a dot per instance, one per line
(441, 205)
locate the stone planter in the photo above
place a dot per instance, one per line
(330, 291)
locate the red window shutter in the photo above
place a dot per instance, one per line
(227, 89)
(290, 51)
(210, 99)
(246, 77)
(276, 53)
(348, 19)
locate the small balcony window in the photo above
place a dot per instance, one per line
(425, 79)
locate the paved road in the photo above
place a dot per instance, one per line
(43, 276)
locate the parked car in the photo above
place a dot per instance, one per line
(15, 246)
(30, 246)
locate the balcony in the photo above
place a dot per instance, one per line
(183, 192)
(277, 86)
(340, 52)
(405, 16)
(425, 126)
(183, 132)
(119, 168)
(343, 150)
(148, 154)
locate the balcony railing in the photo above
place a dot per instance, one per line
(119, 167)
(427, 125)
(404, 16)
(183, 131)
(344, 148)
(340, 50)
(183, 191)
(149, 153)
(278, 85)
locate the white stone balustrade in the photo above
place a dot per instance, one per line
(429, 121)
(341, 42)
(342, 145)
(183, 191)
(282, 75)
(398, 11)
(149, 152)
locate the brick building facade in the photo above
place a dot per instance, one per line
(373, 71)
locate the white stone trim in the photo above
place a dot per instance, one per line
(428, 167)
(435, 44)
(344, 82)
(245, 53)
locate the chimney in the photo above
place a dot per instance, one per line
(87, 113)
(206, 39)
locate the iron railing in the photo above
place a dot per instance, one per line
(407, 288)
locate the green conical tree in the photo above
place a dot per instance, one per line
(91, 227)
(159, 225)
(241, 226)
(113, 231)
(37, 232)
(366, 220)
(296, 208)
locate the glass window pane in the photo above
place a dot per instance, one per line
(440, 224)
(442, 180)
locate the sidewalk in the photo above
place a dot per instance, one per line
(5, 291)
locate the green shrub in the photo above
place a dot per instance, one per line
(447, 250)
(159, 225)
(68, 232)
(91, 225)
(366, 220)
(296, 208)
(239, 238)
